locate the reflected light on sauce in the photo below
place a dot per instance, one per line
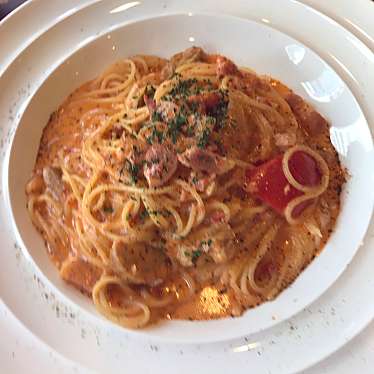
(124, 7)
(212, 302)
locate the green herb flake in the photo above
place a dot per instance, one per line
(203, 140)
(108, 209)
(175, 126)
(133, 170)
(196, 254)
(143, 215)
(150, 91)
(156, 116)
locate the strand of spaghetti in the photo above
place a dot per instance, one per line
(89, 249)
(217, 205)
(61, 234)
(190, 222)
(248, 275)
(247, 213)
(190, 284)
(288, 211)
(131, 209)
(266, 135)
(261, 106)
(120, 268)
(154, 213)
(116, 314)
(245, 69)
(100, 203)
(134, 190)
(134, 236)
(212, 79)
(252, 234)
(42, 224)
(141, 61)
(324, 169)
(154, 302)
(67, 178)
(196, 68)
(46, 198)
(200, 204)
(68, 209)
(110, 77)
(104, 100)
(177, 217)
(241, 163)
(106, 91)
(132, 99)
(163, 89)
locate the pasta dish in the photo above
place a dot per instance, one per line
(183, 188)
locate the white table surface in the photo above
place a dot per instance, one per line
(22, 352)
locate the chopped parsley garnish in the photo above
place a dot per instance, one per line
(143, 215)
(155, 135)
(164, 213)
(190, 131)
(183, 88)
(108, 209)
(133, 170)
(156, 116)
(175, 126)
(150, 90)
(220, 112)
(203, 140)
(206, 242)
(196, 254)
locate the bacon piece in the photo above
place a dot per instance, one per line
(217, 216)
(53, 180)
(219, 244)
(167, 110)
(202, 160)
(199, 160)
(201, 181)
(190, 54)
(226, 67)
(207, 101)
(265, 270)
(80, 274)
(160, 164)
(150, 103)
(131, 149)
(285, 140)
(167, 71)
(308, 118)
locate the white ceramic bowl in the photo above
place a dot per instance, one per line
(249, 44)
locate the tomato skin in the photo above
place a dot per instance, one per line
(268, 182)
(304, 169)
